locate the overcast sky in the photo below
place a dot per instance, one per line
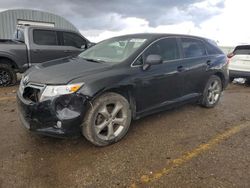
(225, 21)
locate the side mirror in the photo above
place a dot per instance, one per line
(84, 47)
(152, 60)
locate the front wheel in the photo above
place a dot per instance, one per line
(212, 92)
(107, 120)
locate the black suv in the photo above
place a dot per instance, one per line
(99, 92)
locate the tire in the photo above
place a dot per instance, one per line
(108, 112)
(247, 82)
(7, 75)
(212, 92)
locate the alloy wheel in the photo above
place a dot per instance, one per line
(110, 120)
(5, 77)
(214, 91)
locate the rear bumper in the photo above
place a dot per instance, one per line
(239, 74)
(43, 117)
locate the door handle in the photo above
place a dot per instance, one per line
(181, 69)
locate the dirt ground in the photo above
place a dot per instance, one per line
(186, 147)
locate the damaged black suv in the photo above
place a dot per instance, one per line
(100, 91)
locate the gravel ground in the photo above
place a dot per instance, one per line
(154, 142)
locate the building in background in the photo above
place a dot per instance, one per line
(10, 19)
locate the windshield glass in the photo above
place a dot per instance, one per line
(114, 50)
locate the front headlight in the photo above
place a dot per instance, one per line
(52, 91)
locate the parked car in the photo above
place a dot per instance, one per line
(239, 66)
(118, 80)
(32, 45)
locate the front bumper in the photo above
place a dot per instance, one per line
(239, 74)
(59, 117)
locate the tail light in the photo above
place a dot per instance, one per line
(229, 56)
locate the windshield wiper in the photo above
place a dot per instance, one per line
(94, 60)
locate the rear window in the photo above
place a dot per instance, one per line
(45, 37)
(192, 48)
(19, 36)
(242, 50)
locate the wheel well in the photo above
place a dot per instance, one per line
(126, 92)
(5, 60)
(221, 76)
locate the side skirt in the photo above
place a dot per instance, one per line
(168, 105)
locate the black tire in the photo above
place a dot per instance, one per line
(97, 116)
(7, 75)
(247, 82)
(212, 96)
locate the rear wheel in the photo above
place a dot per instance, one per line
(7, 75)
(107, 120)
(212, 92)
(247, 81)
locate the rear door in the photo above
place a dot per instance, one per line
(194, 66)
(44, 46)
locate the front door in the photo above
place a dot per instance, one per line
(159, 85)
(72, 43)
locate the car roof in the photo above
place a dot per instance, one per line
(160, 35)
(46, 27)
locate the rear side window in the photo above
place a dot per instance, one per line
(72, 39)
(192, 48)
(212, 49)
(167, 48)
(45, 37)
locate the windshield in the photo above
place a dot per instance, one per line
(114, 50)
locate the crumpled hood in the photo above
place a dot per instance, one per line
(62, 71)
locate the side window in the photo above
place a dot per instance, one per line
(212, 50)
(139, 61)
(44, 37)
(192, 48)
(72, 39)
(167, 48)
